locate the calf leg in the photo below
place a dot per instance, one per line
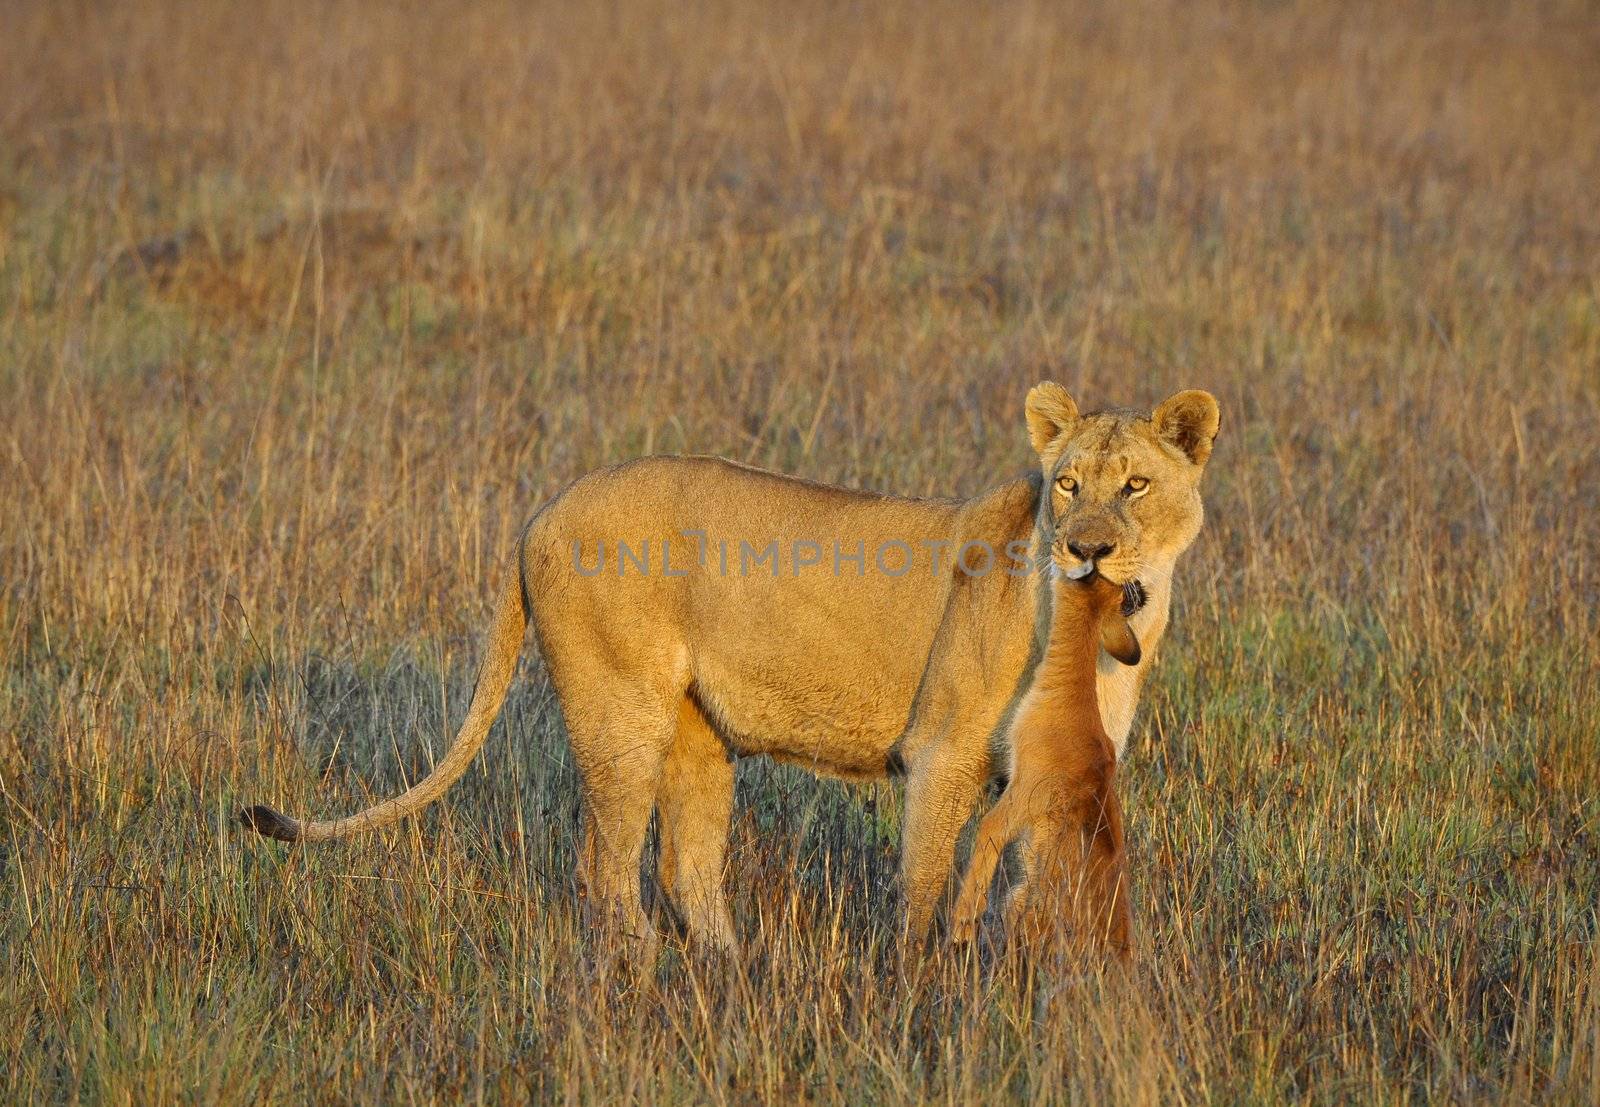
(994, 834)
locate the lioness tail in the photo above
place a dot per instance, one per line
(499, 663)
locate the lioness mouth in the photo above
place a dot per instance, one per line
(1134, 596)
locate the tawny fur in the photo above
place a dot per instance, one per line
(664, 680)
(1061, 793)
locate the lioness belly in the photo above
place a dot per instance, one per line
(813, 694)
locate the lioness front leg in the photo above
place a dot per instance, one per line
(942, 789)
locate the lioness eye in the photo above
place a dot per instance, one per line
(1066, 486)
(1137, 486)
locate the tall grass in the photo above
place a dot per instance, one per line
(305, 307)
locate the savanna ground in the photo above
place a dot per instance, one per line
(305, 307)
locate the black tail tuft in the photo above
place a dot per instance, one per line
(264, 820)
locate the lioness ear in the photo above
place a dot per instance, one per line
(1117, 639)
(1189, 421)
(1050, 411)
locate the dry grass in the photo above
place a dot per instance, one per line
(304, 307)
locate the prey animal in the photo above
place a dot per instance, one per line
(1060, 803)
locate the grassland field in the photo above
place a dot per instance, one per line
(305, 307)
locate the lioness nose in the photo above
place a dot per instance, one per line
(1087, 551)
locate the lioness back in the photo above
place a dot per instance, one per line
(799, 615)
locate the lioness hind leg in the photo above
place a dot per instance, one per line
(620, 752)
(694, 805)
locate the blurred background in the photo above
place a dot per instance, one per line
(306, 307)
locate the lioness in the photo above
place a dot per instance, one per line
(691, 610)
(1060, 793)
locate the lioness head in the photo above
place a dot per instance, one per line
(1123, 487)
